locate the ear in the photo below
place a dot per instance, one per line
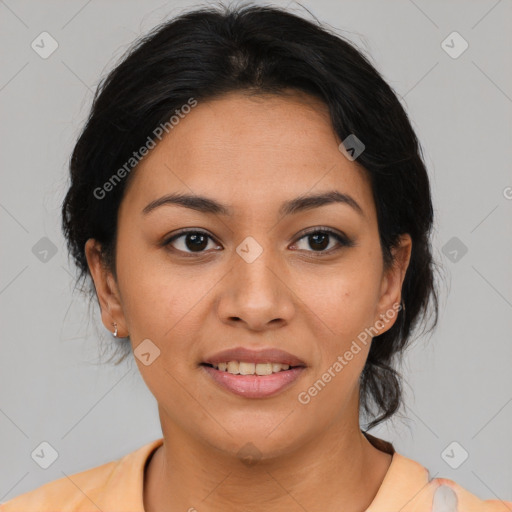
(106, 289)
(391, 287)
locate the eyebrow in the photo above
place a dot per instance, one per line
(207, 205)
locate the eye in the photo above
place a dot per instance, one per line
(319, 239)
(190, 241)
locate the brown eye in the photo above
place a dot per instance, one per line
(190, 241)
(319, 240)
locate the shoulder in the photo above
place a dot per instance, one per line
(420, 493)
(71, 492)
(106, 487)
(447, 493)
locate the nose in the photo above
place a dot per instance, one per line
(256, 295)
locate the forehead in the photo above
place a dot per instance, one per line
(259, 147)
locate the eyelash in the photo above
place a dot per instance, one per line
(341, 239)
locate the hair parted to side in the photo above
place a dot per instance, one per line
(212, 50)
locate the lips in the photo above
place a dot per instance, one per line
(269, 355)
(254, 386)
(251, 382)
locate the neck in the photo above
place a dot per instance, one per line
(339, 467)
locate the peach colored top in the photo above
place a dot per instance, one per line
(117, 486)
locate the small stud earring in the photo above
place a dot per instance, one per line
(115, 330)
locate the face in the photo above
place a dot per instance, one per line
(307, 279)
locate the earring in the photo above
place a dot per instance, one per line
(115, 330)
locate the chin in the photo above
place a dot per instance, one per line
(251, 445)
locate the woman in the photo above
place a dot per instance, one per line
(249, 200)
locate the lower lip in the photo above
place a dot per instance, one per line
(255, 386)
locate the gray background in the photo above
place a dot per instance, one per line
(459, 382)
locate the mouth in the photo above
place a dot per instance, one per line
(253, 373)
(240, 360)
(249, 368)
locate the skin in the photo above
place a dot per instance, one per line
(252, 153)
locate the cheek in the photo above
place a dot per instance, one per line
(156, 295)
(162, 306)
(344, 299)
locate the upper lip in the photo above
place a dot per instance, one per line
(267, 355)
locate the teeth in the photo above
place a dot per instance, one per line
(264, 368)
(276, 367)
(233, 367)
(246, 368)
(243, 368)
